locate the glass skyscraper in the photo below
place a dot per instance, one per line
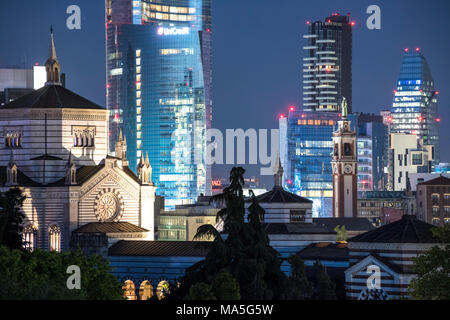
(327, 64)
(158, 70)
(306, 147)
(414, 109)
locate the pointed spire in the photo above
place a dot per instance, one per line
(52, 64)
(52, 53)
(278, 173)
(70, 160)
(141, 161)
(344, 108)
(120, 135)
(147, 161)
(11, 160)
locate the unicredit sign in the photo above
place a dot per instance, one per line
(172, 31)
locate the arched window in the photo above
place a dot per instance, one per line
(75, 140)
(54, 238)
(129, 290)
(29, 237)
(162, 290)
(145, 290)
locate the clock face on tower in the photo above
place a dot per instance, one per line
(348, 169)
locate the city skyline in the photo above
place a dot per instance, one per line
(262, 100)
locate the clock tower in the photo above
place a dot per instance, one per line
(344, 166)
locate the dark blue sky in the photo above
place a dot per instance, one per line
(256, 53)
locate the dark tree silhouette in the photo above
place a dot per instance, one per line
(11, 218)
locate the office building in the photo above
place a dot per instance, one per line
(327, 64)
(371, 133)
(407, 155)
(158, 70)
(414, 109)
(433, 201)
(307, 140)
(16, 82)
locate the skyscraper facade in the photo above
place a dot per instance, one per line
(414, 109)
(306, 146)
(371, 151)
(158, 70)
(327, 64)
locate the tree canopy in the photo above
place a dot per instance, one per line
(433, 269)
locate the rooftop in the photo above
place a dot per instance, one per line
(279, 195)
(351, 224)
(439, 181)
(325, 251)
(109, 227)
(406, 230)
(159, 248)
(52, 96)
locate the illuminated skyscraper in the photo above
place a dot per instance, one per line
(327, 64)
(158, 71)
(414, 109)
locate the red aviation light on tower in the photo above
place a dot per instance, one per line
(394, 91)
(438, 119)
(406, 49)
(291, 108)
(289, 181)
(352, 23)
(417, 49)
(389, 119)
(281, 116)
(420, 118)
(308, 22)
(436, 92)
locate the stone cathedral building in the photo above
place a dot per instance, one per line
(53, 145)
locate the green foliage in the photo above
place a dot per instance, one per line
(245, 253)
(324, 288)
(433, 270)
(226, 287)
(201, 291)
(341, 233)
(299, 286)
(42, 275)
(11, 218)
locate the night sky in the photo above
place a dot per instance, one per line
(257, 52)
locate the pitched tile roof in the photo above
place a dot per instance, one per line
(279, 195)
(406, 230)
(325, 251)
(159, 248)
(351, 224)
(109, 227)
(52, 96)
(439, 181)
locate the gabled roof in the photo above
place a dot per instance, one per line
(406, 230)
(439, 181)
(159, 248)
(109, 227)
(325, 251)
(279, 195)
(351, 224)
(52, 96)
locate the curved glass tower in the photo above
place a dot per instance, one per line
(414, 109)
(158, 69)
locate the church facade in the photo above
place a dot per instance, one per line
(53, 146)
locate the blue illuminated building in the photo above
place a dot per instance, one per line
(305, 148)
(158, 70)
(414, 109)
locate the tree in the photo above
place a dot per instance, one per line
(324, 288)
(11, 218)
(41, 275)
(226, 287)
(341, 233)
(433, 269)
(245, 252)
(299, 286)
(201, 291)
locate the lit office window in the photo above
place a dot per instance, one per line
(138, 53)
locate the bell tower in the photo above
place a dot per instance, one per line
(344, 165)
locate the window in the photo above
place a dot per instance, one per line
(54, 238)
(447, 199)
(347, 149)
(162, 289)
(297, 216)
(435, 198)
(417, 159)
(145, 290)
(435, 211)
(436, 221)
(129, 290)
(447, 212)
(29, 237)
